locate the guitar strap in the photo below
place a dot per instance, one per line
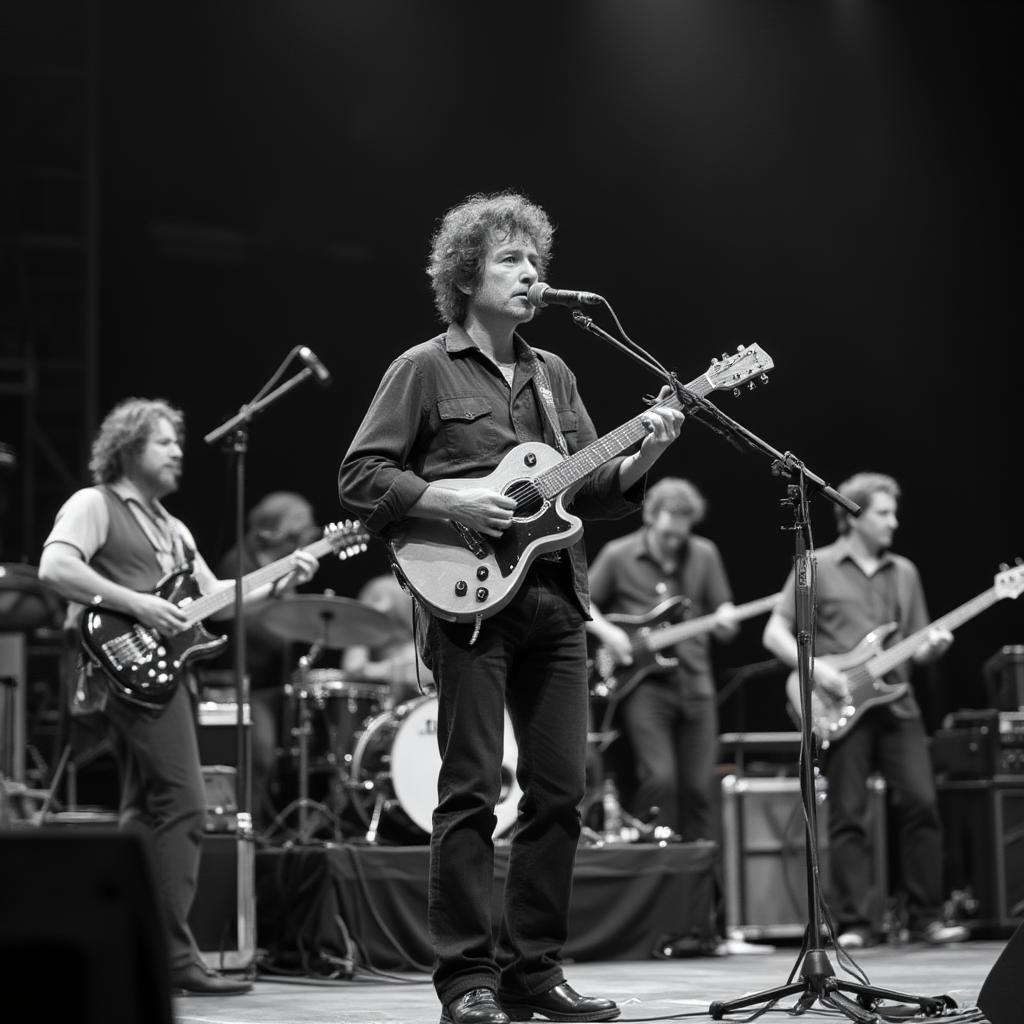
(547, 403)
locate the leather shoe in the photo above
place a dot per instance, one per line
(199, 980)
(477, 1006)
(561, 1003)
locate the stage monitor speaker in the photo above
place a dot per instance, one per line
(764, 854)
(81, 931)
(1000, 995)
(983, 845)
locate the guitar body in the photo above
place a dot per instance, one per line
(832, 719)
(460, 574)
(618, 680)
(142, 666)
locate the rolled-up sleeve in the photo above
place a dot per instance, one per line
(374, 482)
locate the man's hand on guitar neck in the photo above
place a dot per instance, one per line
(936, 643)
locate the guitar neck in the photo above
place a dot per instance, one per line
(206, 605)
(659, 639)
(579, 465)
(886, 661)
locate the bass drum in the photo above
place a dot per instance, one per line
(395, 768)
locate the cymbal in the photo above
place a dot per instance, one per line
(332, 621)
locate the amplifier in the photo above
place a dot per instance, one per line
(980, 744)
(223, 915)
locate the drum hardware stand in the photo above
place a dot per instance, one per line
(818, 981)
(303, 803)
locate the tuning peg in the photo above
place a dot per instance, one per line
(714, 360)
(725, 355)
(752, 385)
(1018, 560)
(1004, 566)
(736, 392)
(741, 348)
(764, 378)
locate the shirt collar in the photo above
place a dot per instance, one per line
(844, 552)
(128, 492)
(456, 341)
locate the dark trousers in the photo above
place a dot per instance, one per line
(896, 747)
(675, 746)
(531, 656)
(162, 791)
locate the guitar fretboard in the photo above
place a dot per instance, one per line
(553, 481)
(206, 605)
(886, 661)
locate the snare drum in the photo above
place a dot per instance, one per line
(397, 760)
(339, 710)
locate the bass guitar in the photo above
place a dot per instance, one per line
(867, 665)
(463, 575)
(144, 667)
(650, 634)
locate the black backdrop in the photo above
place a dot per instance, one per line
(833, 180)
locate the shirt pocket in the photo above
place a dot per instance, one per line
(569, 424)
(468, 428)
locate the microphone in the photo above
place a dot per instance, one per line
(541, 295)
(308, 356)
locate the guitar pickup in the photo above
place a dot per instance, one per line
(471, 539)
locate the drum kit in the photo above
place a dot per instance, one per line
(382, 758)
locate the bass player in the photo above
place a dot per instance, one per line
(109, 547)
(671, 717)
(861, 585)
(452, 407)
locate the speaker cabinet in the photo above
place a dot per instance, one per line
(223, 915)
(764, 855)
(81, 930)
(983, 824)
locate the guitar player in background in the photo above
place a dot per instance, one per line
(670, 717)
(110, 545)
(452, 407)
(861, 585)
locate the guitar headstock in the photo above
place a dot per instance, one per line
(1009, 582)
(348, 538)
(729, 372)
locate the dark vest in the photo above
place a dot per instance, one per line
(126, 557)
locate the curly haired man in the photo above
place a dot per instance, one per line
(110, 545)
(452, 407)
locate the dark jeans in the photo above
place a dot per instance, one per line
(531, 656)
(675, 745)
(162, 791)
(897, 747)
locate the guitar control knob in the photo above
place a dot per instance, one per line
(481, 593)
(530, 459)
(482, 573)
(460, 588)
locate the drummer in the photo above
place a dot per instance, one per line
(277, 524)
(396, 662)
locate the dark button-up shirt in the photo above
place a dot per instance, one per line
(850, 604)
(626, 578)
(444, 410)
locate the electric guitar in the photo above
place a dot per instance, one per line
(866, 666)
(143, 666)
(462, 575)
(650, 634)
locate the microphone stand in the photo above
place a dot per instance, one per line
(236, 432)
(818, 981)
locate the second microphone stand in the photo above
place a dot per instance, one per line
(818, 981)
